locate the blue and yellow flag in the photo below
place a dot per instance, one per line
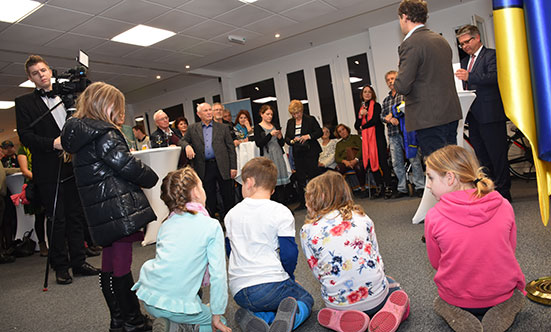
(516, 85)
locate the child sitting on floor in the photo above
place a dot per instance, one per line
(340, 245)
(187, 241)
(471, 239)
(263, 256)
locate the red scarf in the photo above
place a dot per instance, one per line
(369, 141)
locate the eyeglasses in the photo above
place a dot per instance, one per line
(465, 42)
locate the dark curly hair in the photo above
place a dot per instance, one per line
(415, 10)
(176, 189)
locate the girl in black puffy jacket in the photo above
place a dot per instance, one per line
(109, 180)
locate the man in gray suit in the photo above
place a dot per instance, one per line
(209, 146)
(486, 118)
(425, 78)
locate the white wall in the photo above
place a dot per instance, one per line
(380, 43)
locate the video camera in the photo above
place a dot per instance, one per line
(68, 84)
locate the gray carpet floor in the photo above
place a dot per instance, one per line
(80, 306)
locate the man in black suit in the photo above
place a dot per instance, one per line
(486, 118)
(209, 146)
(42, 138)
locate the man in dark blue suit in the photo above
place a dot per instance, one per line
(486, 118)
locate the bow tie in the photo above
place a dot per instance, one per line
(42, 93)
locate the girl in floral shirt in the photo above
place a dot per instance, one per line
(341, 247)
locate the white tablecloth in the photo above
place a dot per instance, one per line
(25, 222)
(245, 152)
(162, 161)
(466, 98)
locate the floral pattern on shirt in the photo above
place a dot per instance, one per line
(344, 256)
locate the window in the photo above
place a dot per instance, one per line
(261, 93)
(195, 103)
(358, 72)
(326, 96)
(174, 112)
(297, 88)
(216, 99)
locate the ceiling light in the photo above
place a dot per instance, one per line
(355, 79)
(187, 66)
(277, 35)
(257, 88)
(4, 105)
(16, 10)
(304, 101)
(248, 1)
(138, 119)
(15, 130)
(158, 77)
(357, 62)
(143, 35)
(264, 100)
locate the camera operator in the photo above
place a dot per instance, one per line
(45, 145)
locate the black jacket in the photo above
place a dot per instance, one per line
(108, 179)
(262, 139)
(311, 148)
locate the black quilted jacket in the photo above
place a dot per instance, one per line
(108, 178)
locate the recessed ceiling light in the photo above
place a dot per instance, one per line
(264, 100)
(355, 79)
(304, 101)
(15, 130)
(143, 35)
(138, 119)
(158, 77)
(277, 35)
(187, 66)
(16, 10)
(4, 105)
(357, 62)
(257, 88)
(248, 1)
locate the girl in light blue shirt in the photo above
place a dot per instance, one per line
(187, 242)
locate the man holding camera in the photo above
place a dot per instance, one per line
(53, 177)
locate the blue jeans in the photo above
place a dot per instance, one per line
(434, 138)
(266, 297)
(397, 153)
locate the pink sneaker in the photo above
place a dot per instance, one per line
(394, 312)
(343, 320)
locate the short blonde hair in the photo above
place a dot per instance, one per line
(329, 192)
(262, 170)
(94, 102)
(176, 189)
(463, 164)
(295, 107)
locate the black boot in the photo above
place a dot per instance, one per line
(106, 285)
(134, 320)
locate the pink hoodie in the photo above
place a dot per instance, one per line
(471, 243)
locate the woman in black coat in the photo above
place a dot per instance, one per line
(374, 148)
(302, 135)
(109, 180)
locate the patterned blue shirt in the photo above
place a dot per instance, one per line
(388, 103)
(207, 137)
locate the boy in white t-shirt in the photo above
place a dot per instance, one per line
(263, 256)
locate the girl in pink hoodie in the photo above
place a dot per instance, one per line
(471, 239)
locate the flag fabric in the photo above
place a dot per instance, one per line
(515, 84)
(538, 30)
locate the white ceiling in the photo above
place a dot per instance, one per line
(61, 27)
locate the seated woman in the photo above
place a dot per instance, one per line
(340, 245)
(374, 147)
(326, 159)
(243, 130)
(348, 154)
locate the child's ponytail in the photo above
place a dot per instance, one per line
(463, 164)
